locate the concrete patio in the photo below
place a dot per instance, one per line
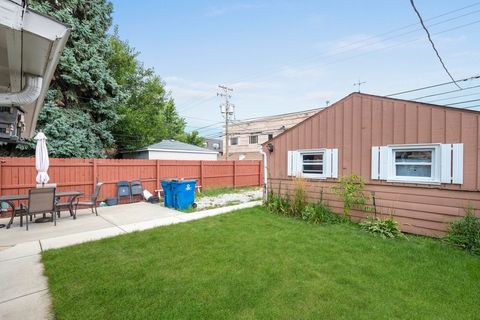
(108, 217)
(24, 292)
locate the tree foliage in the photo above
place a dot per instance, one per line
(194, 138)
(79, 110)
(148, 115)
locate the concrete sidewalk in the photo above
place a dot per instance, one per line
(24, 290)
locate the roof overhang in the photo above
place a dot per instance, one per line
(30, 44)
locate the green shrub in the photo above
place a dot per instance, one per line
(320, 213)
(465, 232)
(299, 200)
(385, 228)
(277, 204)
(350, 191)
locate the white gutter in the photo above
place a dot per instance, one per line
(55, 54)
(265, 176)
(29, 94)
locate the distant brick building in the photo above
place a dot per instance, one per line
(246, 137)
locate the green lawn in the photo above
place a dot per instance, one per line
(255, 265)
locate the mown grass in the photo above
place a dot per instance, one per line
(255, 265)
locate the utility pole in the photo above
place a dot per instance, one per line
(359, 84)
(227, 109)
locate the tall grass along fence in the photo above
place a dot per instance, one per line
(17, 175)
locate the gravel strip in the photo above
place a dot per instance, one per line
(228, 199)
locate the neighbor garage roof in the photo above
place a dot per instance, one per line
(173, 145)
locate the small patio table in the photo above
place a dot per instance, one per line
(73, 195)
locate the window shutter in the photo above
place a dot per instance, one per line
(457, 161)
(383, 163)
(334, 164)
(298, 164)
(289, 163)
(327, 163)
(446, 163)
(375, 175)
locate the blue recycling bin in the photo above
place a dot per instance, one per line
(167, 193)
(183, 193)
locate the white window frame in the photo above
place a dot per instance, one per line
(436, 163)
(324, 164)
(231, 141)
(250, 139)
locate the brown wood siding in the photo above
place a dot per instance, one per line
(418, 210)
(358, 122)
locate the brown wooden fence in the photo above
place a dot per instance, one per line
(17, 175)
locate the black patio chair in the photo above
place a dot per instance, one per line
(136, 188)
(123, 191)
(93, 200)
(40, 201)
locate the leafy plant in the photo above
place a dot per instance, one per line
(465, 232)
(385, 228)
(299, 200)
(277, 204)
(320, 213)
(350, 190)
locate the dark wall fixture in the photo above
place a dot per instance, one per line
(270, 147)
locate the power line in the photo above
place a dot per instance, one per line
(446, 92)
(433, 86)
(433, 44)
(189, 106)
(375, 50)
(467, 101)
(443, 31)
(455, 97)
(364, 41)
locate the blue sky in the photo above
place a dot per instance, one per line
(286, 56)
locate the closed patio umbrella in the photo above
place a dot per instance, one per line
(41, 158)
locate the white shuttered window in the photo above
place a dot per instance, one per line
(418, 163)
(315, 163)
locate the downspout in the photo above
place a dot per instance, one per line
(30, 93)
(265, 176)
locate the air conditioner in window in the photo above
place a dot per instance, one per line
(12, 124)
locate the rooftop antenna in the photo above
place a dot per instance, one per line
(359, 83)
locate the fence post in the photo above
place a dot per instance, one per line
(157, 164)
(94, 179)
(201, 175)
(234, 174)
